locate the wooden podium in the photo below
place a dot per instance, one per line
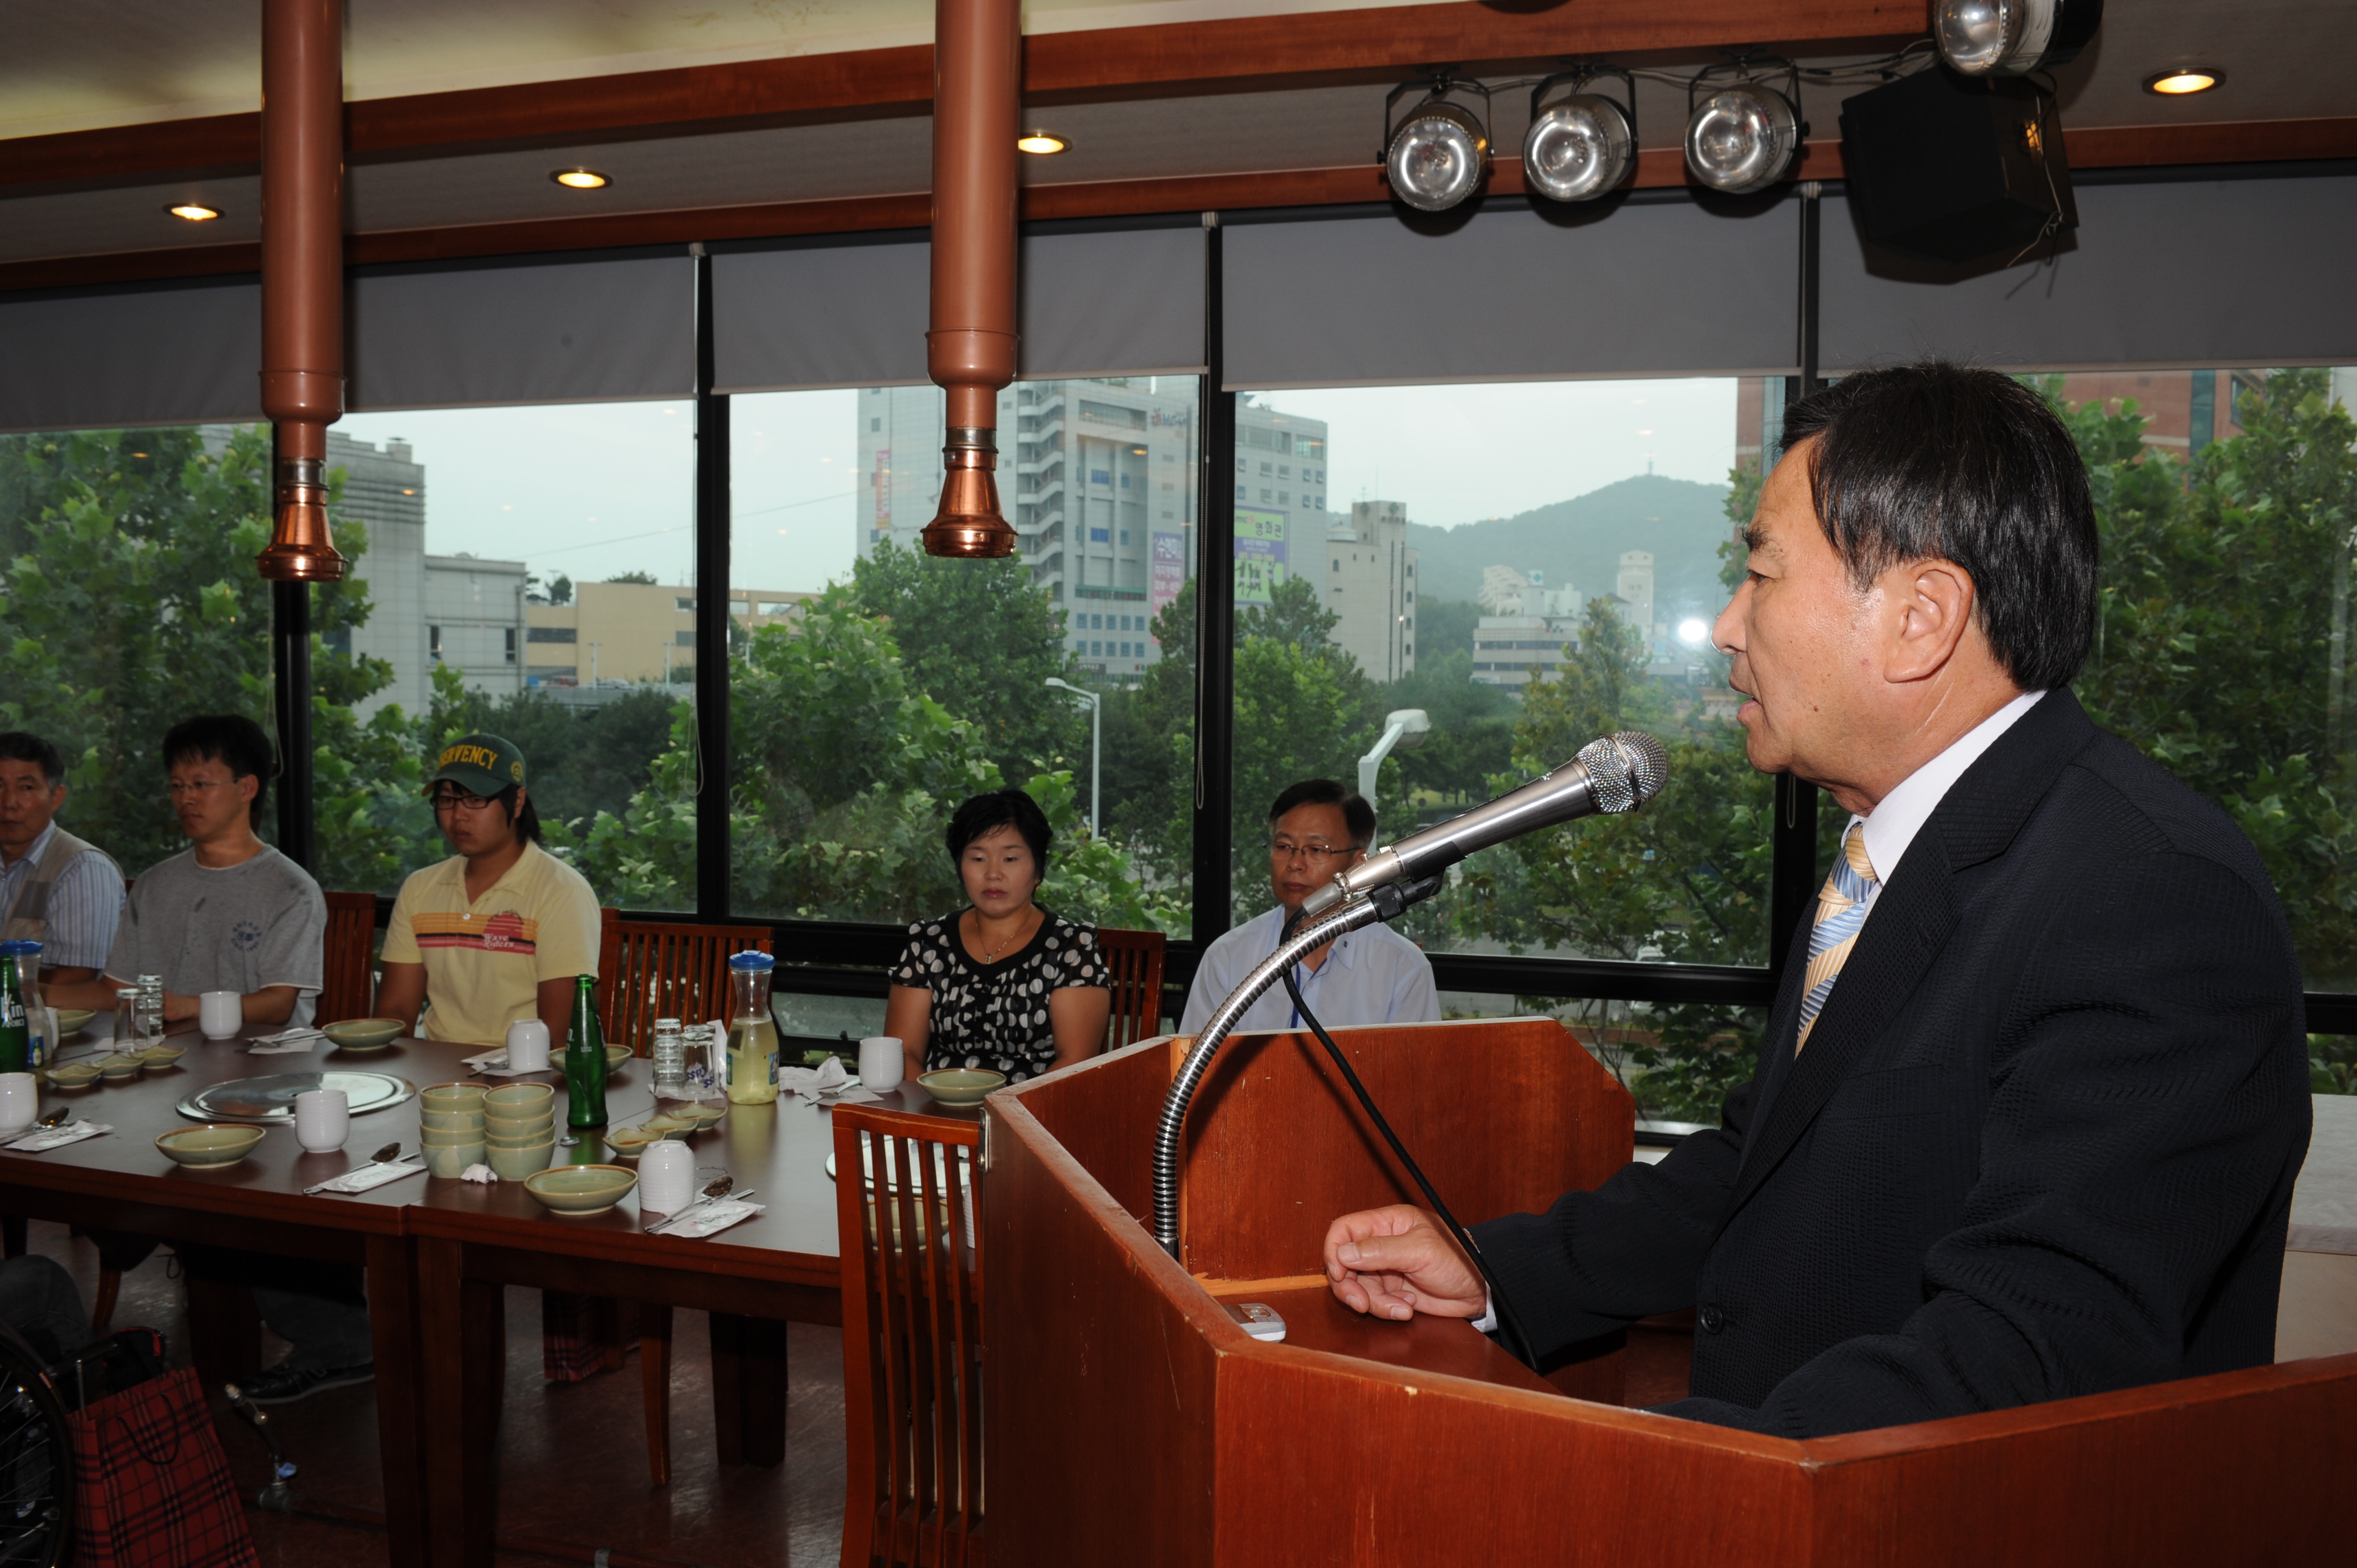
(1128, 1419)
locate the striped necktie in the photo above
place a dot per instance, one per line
(1841, 912)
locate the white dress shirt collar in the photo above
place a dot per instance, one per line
(1894, 823)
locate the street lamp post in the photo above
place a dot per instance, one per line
(1096, 742)
(1403, 728)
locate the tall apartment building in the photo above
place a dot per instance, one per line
(473, 615)
(1512, 649)
(1634, 588)
(1371, 585)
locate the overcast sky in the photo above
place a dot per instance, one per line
(594, 490)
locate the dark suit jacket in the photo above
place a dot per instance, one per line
(2042, 1143)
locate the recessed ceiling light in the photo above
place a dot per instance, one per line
(1041, 143)
(580, 178)
(2184, 80)
(194, 212)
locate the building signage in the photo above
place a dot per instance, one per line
(1168, 571)
(883, 482)
(1260, 554)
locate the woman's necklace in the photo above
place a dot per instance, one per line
(991, 954)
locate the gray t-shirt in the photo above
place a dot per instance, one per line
(258, 923)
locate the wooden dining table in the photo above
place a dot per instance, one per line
(439, 1254)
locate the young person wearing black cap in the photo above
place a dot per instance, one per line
(498, 932)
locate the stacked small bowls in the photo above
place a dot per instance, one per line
(520, 1129)
(451, 1127)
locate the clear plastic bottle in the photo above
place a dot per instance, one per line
(151, 1010)
(753, 1033)
(671, 1060)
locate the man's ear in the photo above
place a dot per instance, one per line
(1930, 605)
(249, 785)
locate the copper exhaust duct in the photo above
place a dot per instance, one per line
(970, 352)
(302, 274)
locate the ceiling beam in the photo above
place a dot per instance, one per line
(1240, 54)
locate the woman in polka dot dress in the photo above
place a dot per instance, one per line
(1003, 983)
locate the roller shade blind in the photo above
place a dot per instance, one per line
(1120, 302)
(1652, 287)
(550, 332)
(166, 355)
(2233, 272)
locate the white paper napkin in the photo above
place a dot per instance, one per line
(828, 1083)
(281, 1045)
(712, 1217)
(59, 1137)
(369, 1177)
(494, 1064)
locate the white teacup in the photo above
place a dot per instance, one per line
(880, 1062)
(220, 1014)
(528, 1045)
(323, 1120)
(666, 1177)
(20, 1101)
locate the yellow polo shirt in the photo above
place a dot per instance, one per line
(486, 957)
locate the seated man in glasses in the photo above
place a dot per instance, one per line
(1315, 832)
(498, 932)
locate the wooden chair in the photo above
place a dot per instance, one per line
(654, 969)
(913, 1280)
(1134, 962)
(345, 991)
(646, 970)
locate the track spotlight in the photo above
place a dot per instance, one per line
(1436, 154)
(580, 178)
(2012, 38)
(193, 211)
(2184, 80)
(1585, 144)
(1743, 135)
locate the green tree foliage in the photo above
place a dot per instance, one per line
(643, 578)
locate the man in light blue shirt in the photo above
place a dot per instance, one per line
(1317, 831)
(54, 888)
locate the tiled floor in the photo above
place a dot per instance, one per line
(573, 1457)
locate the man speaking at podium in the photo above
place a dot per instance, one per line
(2029, 1115)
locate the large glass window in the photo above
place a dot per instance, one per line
(873, 688)
(530, 572)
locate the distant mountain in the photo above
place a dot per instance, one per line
(1579, 542)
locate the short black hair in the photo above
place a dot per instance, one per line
(24, 745)
(234, 741)
(521, 815)
(1952, 462)
(986, 814)
(1358, 817)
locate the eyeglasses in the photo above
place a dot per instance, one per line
(462, 801)
(196, 785)
(1315, 850)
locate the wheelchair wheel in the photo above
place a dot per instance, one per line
(35, 1462)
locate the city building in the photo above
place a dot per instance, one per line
(473, 611)
(1508, 591)
(1370, 586)
(1634, 589)
(1512, 649)
(628, 634)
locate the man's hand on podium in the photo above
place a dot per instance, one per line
(1398, 1262)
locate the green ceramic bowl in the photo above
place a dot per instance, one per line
(581, 1189)
(199, 1147)
(74, 1075)
(450, 1137)
(451, 1120)
(117, 1067)
(514, 1126)
(363, 1034)
(701, 1112)
(160, 1056)
(631, 1140)
(517, 1098)
(447, 1161)
(616, 1058)
(71, 1020)
(960, 1086)
(499, 1140)
(448, 1097)
(514, 1164)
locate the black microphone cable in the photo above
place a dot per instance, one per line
(1518, 1343)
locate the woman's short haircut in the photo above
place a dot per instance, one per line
(1358, 817)
(1939, 461)
(985, 814)
(234, 741)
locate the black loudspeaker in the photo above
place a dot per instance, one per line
(1952, 168)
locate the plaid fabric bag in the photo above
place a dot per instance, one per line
(582, 1336)
(152, 1486)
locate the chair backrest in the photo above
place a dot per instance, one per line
(652, 969)
(1133, 961)
(912, 1274)
(350, 959)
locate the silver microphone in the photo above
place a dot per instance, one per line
(1617, 773)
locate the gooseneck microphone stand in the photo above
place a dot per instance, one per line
(1384, 903)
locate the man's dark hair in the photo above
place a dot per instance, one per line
(1358, 817)
(1933, 460)
(23, 745)
(234, 741)
(987, 813)
(522, 816)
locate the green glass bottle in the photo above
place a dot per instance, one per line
(16, 1035)
(585, 1059)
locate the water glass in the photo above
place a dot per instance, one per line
(666, 1177)
(151, 1010)
(880, 1063)
(323, 1120)
(220, 1014)
(126, 1018)
(671, 1060)
(20, 1102)
(706, 1048)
